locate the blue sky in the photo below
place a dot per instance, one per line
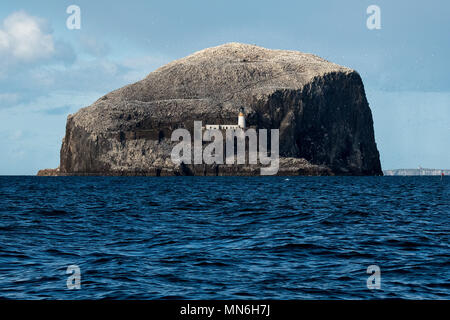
(50, 71)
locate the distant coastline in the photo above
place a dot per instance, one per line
(416, 172)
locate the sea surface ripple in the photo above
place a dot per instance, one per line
(224, 237)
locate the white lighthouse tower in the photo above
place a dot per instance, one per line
(241, 118)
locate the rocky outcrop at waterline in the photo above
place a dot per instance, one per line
(320, 108)
(48, 173)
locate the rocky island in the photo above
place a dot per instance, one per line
(320, 108)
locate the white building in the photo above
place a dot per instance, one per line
(240, 125)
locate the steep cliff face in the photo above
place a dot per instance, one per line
(320, 108)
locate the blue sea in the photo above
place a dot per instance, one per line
(224, 237)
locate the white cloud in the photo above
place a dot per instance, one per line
(140, 67)
(8, 99)
(16, 135)
(4, 41)
(60, 102)
(26, 42)
(24, 38)
(93, 46)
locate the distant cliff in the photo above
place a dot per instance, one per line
(321, 109)
(416, 172)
